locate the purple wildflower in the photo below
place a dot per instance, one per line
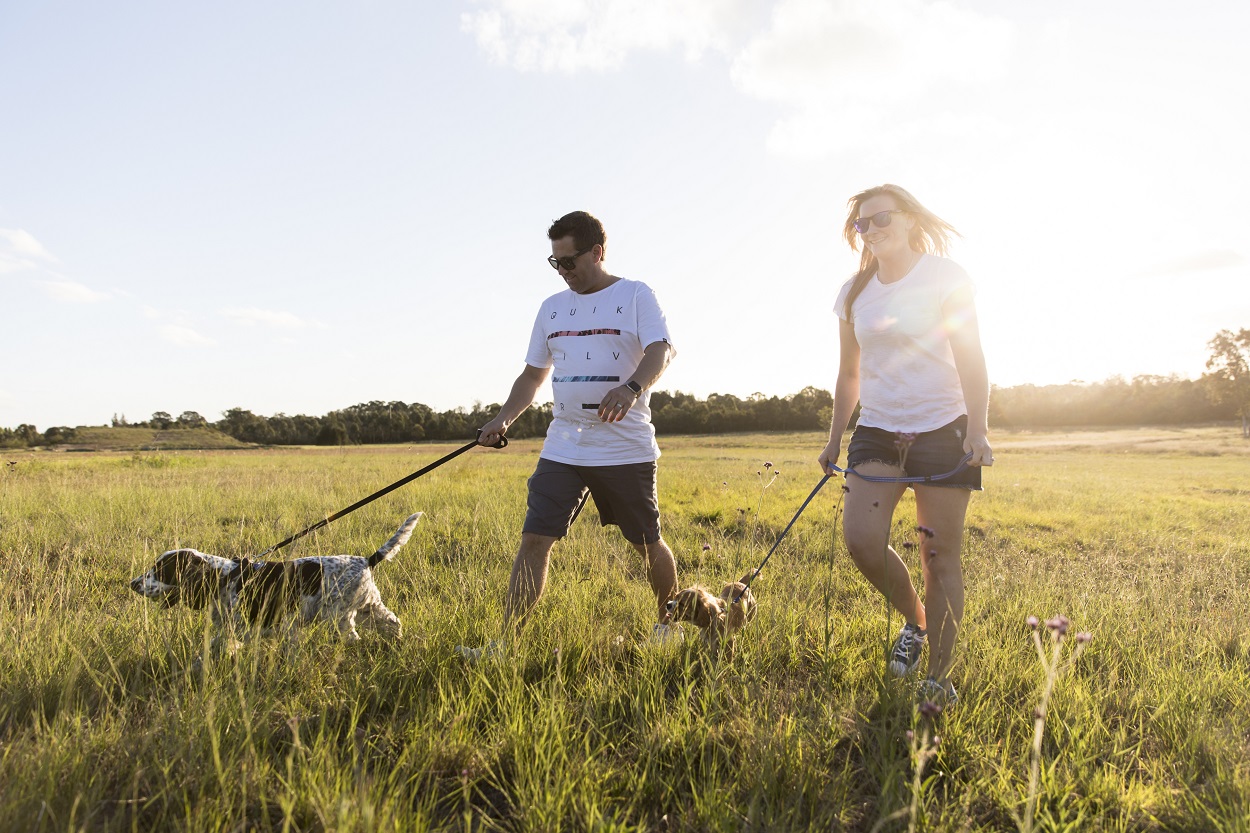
(925, 531)
(1033, 622)
(706, 547)
(1084, 637)
(930, 709)
(1058, 625)
(768, 465)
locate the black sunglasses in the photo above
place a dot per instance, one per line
(568, 261)
(881, 219)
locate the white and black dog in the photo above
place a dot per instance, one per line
(335, 588)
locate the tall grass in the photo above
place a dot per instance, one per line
(108, 722)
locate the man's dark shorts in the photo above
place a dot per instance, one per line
(624, 495)
(931, 452)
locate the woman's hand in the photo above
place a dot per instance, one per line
(829, 457)
(979, 447)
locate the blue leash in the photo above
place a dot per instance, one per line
(963, 464)
(872, 478)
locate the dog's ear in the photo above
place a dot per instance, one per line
(707, 610)
(198, 585)
(749, 577)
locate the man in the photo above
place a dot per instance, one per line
(608, 343)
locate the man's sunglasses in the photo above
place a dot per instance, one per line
(568, 261)
(881, 219)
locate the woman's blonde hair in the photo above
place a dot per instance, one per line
(930, 234)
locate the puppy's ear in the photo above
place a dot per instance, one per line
(707, 611)
(750, 576)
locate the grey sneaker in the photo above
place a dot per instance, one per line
(906, 651)
(490, 650)
(667, 634)
(942, 694)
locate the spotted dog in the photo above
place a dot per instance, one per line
(720, 617)
(337, 588)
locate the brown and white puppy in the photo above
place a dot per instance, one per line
(336, 587)
(720, 617)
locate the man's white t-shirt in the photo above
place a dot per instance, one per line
(594, 342)
(908, 380)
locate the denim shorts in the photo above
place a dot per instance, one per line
(929, 453)
(624, 495)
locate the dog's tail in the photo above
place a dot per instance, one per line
(387, 551)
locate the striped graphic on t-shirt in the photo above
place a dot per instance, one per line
(584, 333)
(586, 379)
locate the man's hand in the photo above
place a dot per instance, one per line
(616, 404)
(492, 432)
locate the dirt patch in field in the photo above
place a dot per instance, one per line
(1195, 440)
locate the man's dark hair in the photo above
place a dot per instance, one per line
(586, 230)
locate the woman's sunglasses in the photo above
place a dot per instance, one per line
(568, 261)
(881, 219)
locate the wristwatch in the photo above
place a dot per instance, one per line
(635, 387)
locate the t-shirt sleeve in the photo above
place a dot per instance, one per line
(652, 325)
(538, 355)
(954, 277)
(838, 305)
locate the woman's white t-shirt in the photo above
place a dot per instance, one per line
(908, 380)
(594, 342)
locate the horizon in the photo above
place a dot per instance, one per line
(292, 212)
(126, 421)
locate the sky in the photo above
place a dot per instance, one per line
(294, 207)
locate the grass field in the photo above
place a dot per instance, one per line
(1141, 537)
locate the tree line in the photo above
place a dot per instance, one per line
(1222, 394)
(1145, 400)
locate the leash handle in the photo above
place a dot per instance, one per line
(503, 442)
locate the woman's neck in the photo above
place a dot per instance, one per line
(895, 268)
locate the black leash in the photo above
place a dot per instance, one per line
(963, 464)
(780, 538)
(503, 441)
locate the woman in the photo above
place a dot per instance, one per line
(911, 357)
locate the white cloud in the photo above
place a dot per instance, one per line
(597, 35)
(845, 72)
(184, 336)
(250, 316)
(857, 71)
(19, 251)
(73, 292)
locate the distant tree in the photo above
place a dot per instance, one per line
(119, 421)
(58, 435)
(244, 425)
(161, 420)
(190, 419)
(332, 434)
(28, 434)
(1229, 376)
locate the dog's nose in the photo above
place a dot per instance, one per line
(136, 584)
(670, 605)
